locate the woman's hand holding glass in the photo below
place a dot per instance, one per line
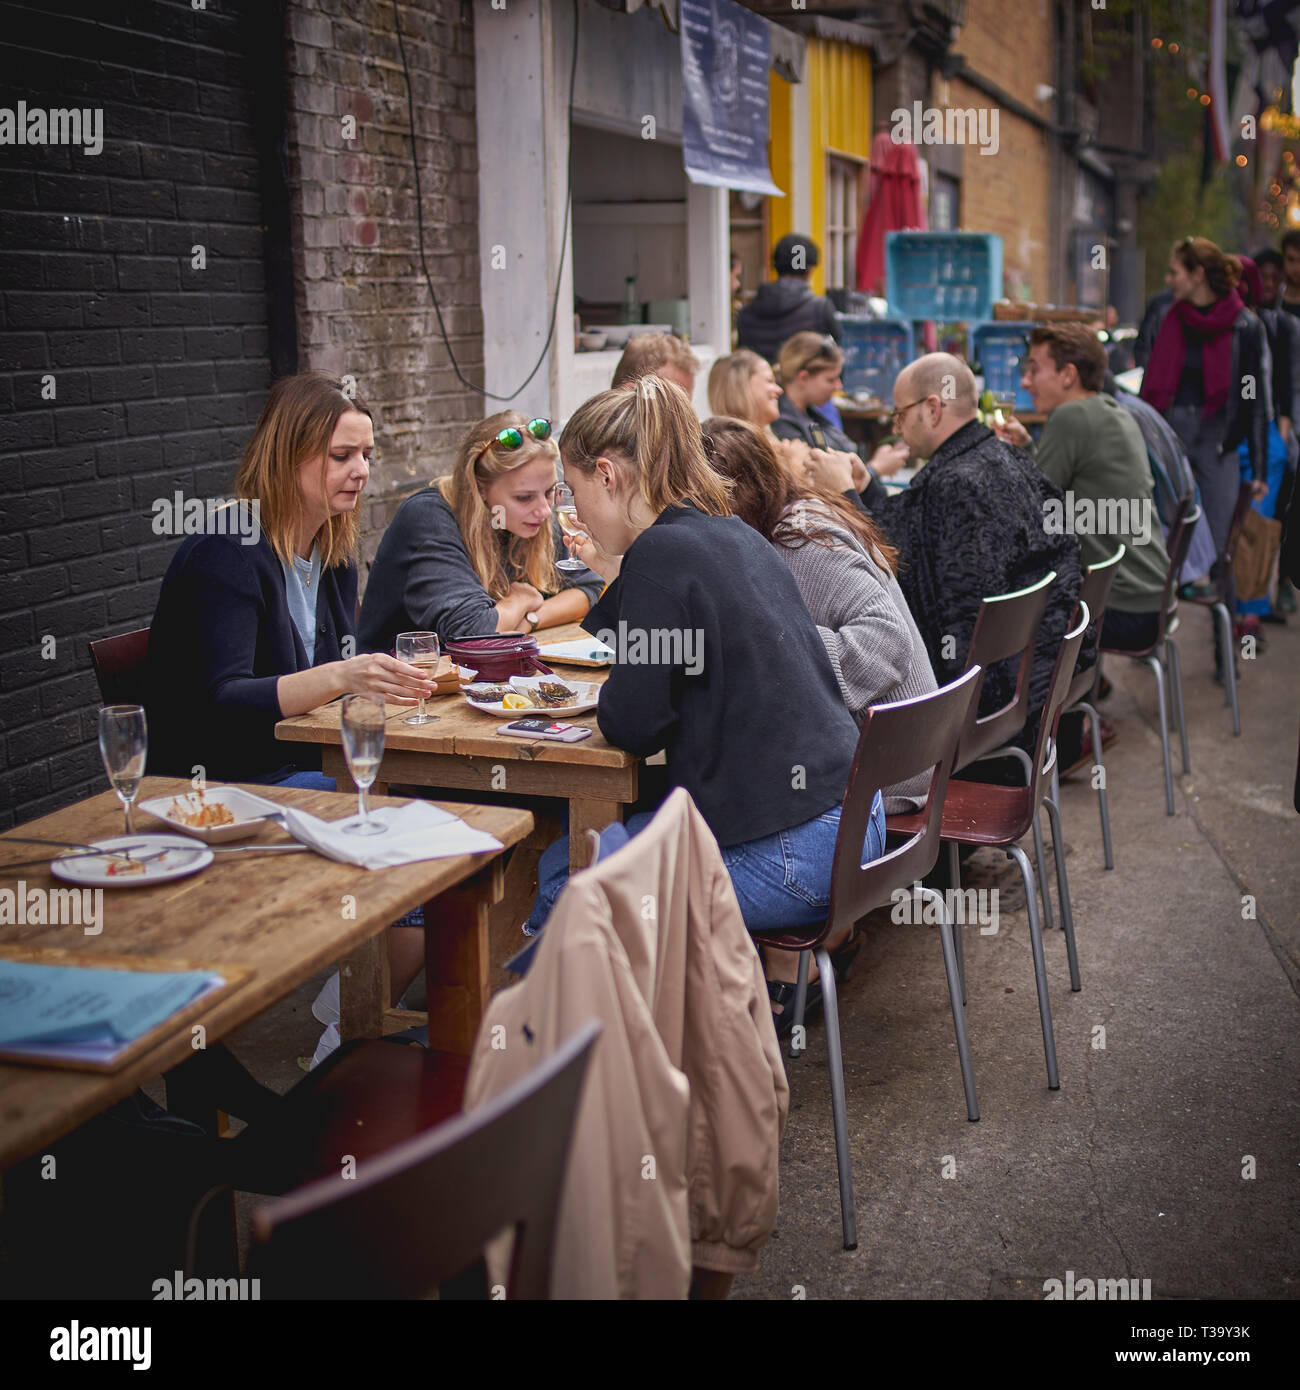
(583, 547)
(386, 678)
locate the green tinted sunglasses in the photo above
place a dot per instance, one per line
(512, 438)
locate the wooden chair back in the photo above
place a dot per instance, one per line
(120, 664)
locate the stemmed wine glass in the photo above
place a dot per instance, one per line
(567, 512)
(123, 744)
(420, 649)
(363, 746)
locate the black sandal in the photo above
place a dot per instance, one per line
(782, 992)
(842, 959)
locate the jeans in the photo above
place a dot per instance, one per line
(309, 780)
(782, 881)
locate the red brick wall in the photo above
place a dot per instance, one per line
(363, 305)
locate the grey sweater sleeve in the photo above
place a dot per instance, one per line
(847, 594)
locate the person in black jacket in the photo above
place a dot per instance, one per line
(786, 306)
(1207, 375)
(739, 692)
(246, 635)
(972, 524)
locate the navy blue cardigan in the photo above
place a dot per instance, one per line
(221, 638)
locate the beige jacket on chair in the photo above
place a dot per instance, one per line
(674, 1157)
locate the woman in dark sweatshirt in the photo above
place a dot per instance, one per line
(718, 662)
(246, 635)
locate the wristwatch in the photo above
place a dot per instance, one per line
(534, 619)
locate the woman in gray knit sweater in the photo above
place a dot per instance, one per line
(844, 572)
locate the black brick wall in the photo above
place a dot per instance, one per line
(159, 369)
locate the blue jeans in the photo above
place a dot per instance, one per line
(782, 881)
(309, 780)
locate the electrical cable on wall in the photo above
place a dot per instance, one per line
(419, 219)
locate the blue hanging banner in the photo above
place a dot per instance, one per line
(726, 54)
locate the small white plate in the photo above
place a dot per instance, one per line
(181, 857)
(588, 697)
(250, 813)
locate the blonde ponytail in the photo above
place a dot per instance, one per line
(648, 428)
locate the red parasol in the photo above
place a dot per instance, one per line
(895, 206)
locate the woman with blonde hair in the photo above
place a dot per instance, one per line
(744, 700)
(247, 634)
(809, 368)
(474, 552)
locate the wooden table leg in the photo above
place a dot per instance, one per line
(518, 896)
(587, 815)
(364, 987)
(458, 958)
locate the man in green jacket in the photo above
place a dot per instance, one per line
(1092, 450)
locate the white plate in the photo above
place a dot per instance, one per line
(250, 813)
(182, 857)
(588, 697)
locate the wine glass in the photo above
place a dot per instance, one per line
(567, 512)
(420, 649)
(123, 744)
(363, 746)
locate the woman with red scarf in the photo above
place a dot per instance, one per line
(1208, 377)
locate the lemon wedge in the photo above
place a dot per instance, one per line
(516, 701)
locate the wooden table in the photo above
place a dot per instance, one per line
(286, 916)
(463, 751)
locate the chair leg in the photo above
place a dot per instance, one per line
(1157, 670)
(1040, 966)
(1063, 889)
(839, 1105)
(1174, 667)
(1229, 664)
(947, 932)
(800, 1003)
(1094, 723)
(1040, 862)
(954, 874)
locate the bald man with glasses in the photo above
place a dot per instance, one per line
(972, 524)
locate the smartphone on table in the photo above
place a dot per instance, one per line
(545, 728)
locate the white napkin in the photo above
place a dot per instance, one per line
(585, 647)
(413, 832)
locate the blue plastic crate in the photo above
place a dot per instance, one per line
(875, 351)
(944, 276)
(999, 347)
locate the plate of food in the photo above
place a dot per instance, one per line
(524, 693)
(150, 859)
(213, 814)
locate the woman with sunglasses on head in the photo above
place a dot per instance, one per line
(1207, 347)
(474, 553)
(808, 368)
(753, 725)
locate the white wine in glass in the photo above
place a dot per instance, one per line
(566, 512)
(124, 745)
(420, 649)
(363, 747)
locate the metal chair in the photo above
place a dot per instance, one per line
(898, 741)
(1005, 627)
(978, 813)
(421, 1213)
(119, 664)
(1097, 581)
(1217, 603)
(1163, 657)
